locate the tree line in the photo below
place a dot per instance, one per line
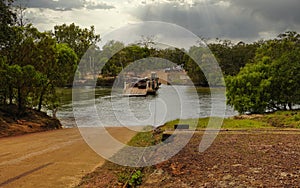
(115, 56)
(259, 76)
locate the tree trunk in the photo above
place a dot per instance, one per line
(20, 101)
(4, 99)
(41, 99)
(54, 111)
(10, 93)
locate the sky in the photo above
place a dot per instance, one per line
(236, 20)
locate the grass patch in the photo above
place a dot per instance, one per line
(144, 139)
(214, 123)
(192, 122)
(283, 119)
(280, 119)
(244, 124)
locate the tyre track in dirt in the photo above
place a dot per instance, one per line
(50, 159)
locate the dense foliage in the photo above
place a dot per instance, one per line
(33, 63)
(77, 38)
(272, 81)
(32, 67)
(7, 19)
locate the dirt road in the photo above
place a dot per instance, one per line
(49, 159)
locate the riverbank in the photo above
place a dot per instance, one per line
(250, 151)
(31, 121)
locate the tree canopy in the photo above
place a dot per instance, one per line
(7, 19)
(32, 63)
(77, 38)
(39, 66)
(272, 81)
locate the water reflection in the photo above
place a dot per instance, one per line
(171, 102)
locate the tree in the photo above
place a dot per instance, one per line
(19, 10)
(7, 19)
(284, 52)
(272, 82)
(78, 39)
(23, 80)
(58, 65)
(232, 57)
(194, 71)
(66, 64)
(249, 91)
(4, 81)
(35, 49)
(39, 57)
(146, 41)
(223, 53)
(118, 56)
(108, 58)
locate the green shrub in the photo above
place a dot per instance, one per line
(131, 180)
(123, 177)
(136, 179)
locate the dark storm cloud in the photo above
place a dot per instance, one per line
(275, 10)
(62, 5)
(234, 19)
(50, 4)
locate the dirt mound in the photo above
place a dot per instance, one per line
(12, 123)
(252, 116)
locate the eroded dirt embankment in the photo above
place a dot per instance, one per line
(12, 123)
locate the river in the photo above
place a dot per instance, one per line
(105, 107)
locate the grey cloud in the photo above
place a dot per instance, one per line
(242, 19)
(62, 5)
(274, 10)
(50, 4)
(206, 20)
